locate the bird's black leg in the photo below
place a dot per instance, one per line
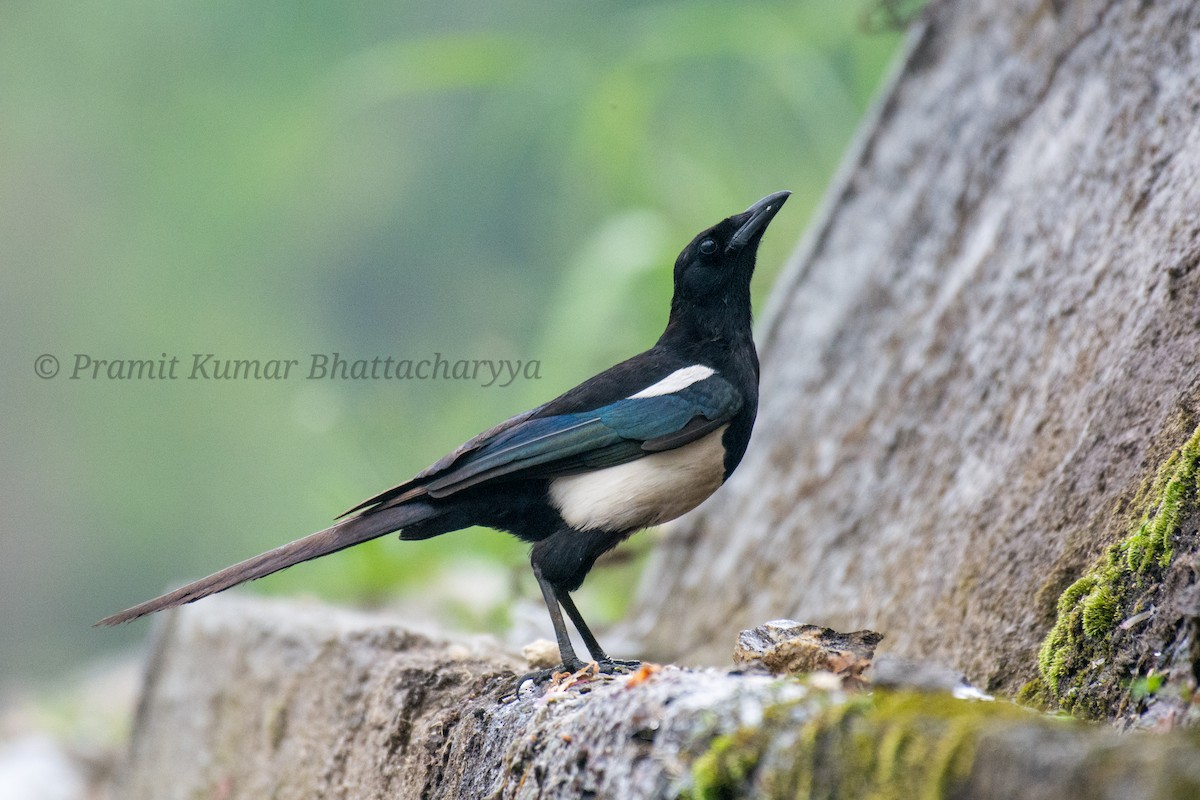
(566, 650)
(602, 658)
(577, 620)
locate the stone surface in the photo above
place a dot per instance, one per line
(984, 348)
(540, 654)
(787, 647)
(250, 698)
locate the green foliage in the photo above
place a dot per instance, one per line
(502, 180)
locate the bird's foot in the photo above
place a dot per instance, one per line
(575, 669)
(617, 666)
(538, 676)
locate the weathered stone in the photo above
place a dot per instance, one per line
(540, 654)
(979, 359)
(786, 647)
(251, 699)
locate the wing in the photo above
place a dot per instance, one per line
(564, 444)
(534, 445)
(413, 488)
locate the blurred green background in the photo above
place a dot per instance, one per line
(504, 180)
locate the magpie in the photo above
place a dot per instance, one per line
(637, 445)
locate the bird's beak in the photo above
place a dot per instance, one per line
(754, 220)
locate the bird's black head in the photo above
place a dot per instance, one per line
(712, 274)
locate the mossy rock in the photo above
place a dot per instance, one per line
(889, 744)
(1095, 656)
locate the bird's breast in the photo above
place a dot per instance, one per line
(652, 490)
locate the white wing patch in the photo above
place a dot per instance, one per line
(649, 491)
(676, 381)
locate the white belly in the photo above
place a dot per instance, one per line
(649, 491)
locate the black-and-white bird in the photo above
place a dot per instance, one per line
(637, 445)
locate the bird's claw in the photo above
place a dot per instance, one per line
(605, 666)
(538, 676)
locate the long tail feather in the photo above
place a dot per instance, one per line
(342, 535)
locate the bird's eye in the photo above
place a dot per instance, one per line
(708, 247)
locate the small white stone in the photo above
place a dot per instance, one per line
(540, 654)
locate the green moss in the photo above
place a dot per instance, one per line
(1099, 611)
(908, 745)
(1147, 685)
(726, 766)
(1079, 646)
(1033, 695)
(1175, 490)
